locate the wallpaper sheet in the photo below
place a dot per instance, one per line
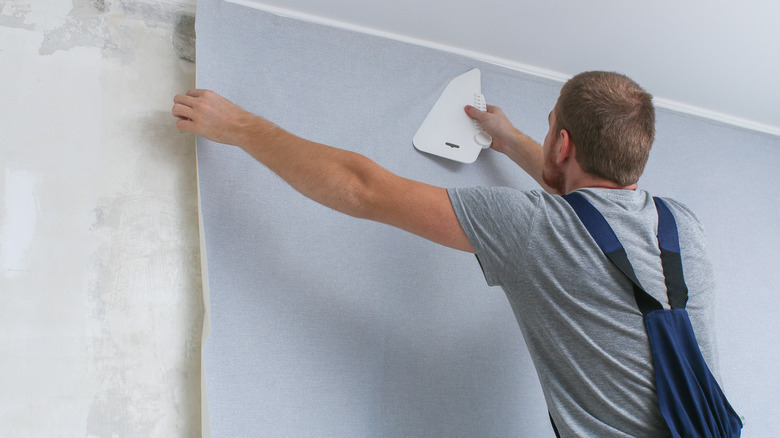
(329, 326)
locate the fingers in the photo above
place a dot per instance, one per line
(185, 125)
(185, 108)
(182, 111)
(185, 105)
(475, 113)
(185, 99)
(196, 92)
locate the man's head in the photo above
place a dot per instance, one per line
(611, 122)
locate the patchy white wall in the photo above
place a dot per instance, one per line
(100, 292)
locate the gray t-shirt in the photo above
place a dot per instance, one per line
(576, 310)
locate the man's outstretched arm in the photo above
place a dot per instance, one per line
(345, 181)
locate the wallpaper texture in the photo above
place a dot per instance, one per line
(329, 326)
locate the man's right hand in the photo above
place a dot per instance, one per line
(209, 115)
(510, 141)
(496, 124)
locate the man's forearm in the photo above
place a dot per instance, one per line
(527, 153)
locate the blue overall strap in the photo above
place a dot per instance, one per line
(690, 399)
(671, 261)
(606, 239)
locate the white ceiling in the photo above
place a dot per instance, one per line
(719, 59)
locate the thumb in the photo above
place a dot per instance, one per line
(475, 113)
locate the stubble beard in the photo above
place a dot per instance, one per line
(552, 175)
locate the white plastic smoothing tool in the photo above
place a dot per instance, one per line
(447, 131)
(481, 137)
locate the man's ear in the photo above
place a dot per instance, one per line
(566, 147)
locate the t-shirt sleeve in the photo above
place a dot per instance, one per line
(496, 221)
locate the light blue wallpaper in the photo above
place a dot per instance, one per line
(329, 326)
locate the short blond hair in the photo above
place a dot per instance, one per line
(611, 121)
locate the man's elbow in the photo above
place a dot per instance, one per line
(352, 199)
(360, 194)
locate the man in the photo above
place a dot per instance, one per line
(576, 310)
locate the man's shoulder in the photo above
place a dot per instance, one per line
(488, 195)
(690, 228)
(679, 207)
(640, 198)
(495, 209)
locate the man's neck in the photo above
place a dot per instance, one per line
(590, 181)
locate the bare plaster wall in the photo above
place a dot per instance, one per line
(101, 306)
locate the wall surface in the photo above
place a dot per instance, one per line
(100, 289)
(326, 325)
